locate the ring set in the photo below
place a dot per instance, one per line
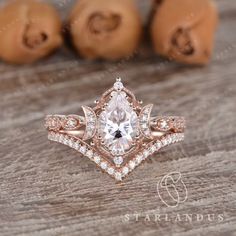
(117, 134)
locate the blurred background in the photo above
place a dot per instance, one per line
(49, 189)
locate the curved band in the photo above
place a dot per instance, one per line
(75, 124)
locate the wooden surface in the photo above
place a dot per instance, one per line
(48, 189)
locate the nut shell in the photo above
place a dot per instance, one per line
(29, 30)
(105, 29)
(183, 30)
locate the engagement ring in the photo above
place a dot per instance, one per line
(118, 133)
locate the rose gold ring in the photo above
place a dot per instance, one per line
(117, 134)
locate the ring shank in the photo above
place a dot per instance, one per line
(76, 125)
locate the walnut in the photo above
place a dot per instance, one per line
(105, 29)
(29, 30)
(183, 30)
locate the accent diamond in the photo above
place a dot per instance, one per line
(97, 159)
(70, 123)
(118, 176)
(118, 85)
(146, 154)
(82, 149)
(110, 171)
(118, 160)
(125, 170)
(103, 165)
(139, 158)
(158, 145)
(76, 145)
(89, 154)
(131, 164)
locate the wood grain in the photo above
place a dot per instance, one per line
(49, 189)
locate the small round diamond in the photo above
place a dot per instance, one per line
(76, 145)
(82, 149)
(163, 124)
(164, 141)
(146, 153)
(175, 137)
(66, 140)
(110, 171)
(139, 158)
(118, 160)
(169, 140)
(158, 145)
(61, 138)
(71, 143)
(131, 164)
(153, 149)
(118, 176)
(118, 85)
(57, 137)
(103, 165)
(125, 170)
(71, 123)
(97, 159)
(89, 154)
(144, 125)
(144, 118)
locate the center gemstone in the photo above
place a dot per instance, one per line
(118, 124)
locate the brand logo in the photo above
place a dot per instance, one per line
(172, 190)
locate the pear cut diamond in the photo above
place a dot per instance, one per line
(118, 124)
